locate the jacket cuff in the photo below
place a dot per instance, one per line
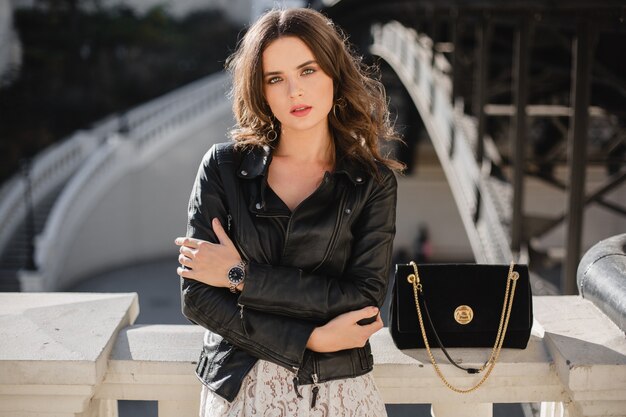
(258, 277)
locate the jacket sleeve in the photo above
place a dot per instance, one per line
(267, 336)
(363, 283)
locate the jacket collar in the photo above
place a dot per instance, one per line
(351, 169)
(256, 161)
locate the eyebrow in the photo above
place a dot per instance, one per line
(304, 64)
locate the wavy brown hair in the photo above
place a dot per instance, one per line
(360, 115)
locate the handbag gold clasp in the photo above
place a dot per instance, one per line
(463, 314)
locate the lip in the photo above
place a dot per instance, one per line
(305, 110)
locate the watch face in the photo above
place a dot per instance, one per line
(236, 275)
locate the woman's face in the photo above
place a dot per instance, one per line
(299, 93)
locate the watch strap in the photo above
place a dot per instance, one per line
(232, 285)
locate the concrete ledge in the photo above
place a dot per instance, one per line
(589, 354)
(146, 356)
(54, 349)
(408, 377)
(154, 363)
(575, 363)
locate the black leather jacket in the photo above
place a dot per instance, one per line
(331, 255)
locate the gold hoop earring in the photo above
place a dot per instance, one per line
(339, 103)
(271, 134)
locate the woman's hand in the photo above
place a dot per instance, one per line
(205, 261)
(343, 332)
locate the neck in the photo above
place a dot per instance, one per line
(307, 146)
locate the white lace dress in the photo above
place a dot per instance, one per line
(268, 391)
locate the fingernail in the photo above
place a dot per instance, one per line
(177, 241)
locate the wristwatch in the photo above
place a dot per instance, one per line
(236, 275)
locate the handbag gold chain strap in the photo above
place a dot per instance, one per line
(414, 279)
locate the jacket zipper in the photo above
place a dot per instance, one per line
(235, 241)
(289, 312)
(296, 382)
(275, 217)
(335, 234)
(271, 216)
(316, 389)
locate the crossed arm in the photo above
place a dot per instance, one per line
(209, 263)
(207, 253)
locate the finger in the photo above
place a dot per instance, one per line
(220, 232)
(370, 329)
(363, 313)
(377, 324)
(188, 252)
(183, 260)
(186, 273)
(188, 241)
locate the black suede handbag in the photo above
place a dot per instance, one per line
(461, 305)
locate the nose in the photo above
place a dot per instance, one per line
(295, 90)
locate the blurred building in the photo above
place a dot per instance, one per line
(241, 12)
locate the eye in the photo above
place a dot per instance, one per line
(308, 71)
(273, 80)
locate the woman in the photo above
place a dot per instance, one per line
(290, 230)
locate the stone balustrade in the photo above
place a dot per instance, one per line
(76, 354)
